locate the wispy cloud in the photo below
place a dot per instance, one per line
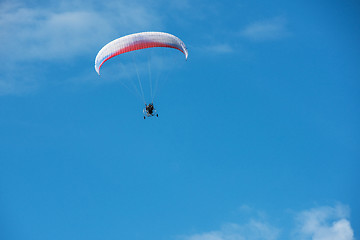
(265, 30)
(216, 48)
(58, 32)
(323, 223)
(47, 33)
(220, 48)
(250, 231)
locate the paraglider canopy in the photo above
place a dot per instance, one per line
(138, 41)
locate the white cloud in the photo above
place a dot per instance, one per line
(252, 230)
(49, 33)
(215, 48)
(325, 223)
(31, 35)
(220, 48)
(271, 29)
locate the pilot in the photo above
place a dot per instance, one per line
(150, 108)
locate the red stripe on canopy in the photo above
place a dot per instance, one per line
(138, 46)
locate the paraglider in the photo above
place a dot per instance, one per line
(149, 110)
(136, 42)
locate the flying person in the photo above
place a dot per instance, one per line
(149, 110)
(135, 42)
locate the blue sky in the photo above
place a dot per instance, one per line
(258, 135)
